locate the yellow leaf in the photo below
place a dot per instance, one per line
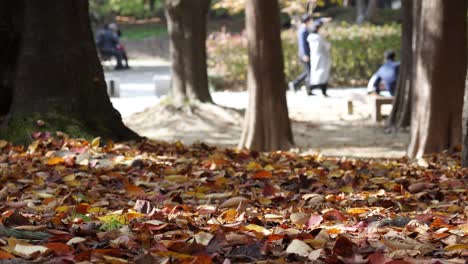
(55, 161)
(122, 219)
(357, 211)
(3, 143)
(253, 166)
(69, 178)
(456, 247)
(62, 209)
(258, 229)
(96, 142)
(95, 210)
(176, 178)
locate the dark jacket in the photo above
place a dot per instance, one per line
(303, 45)
(107, 40)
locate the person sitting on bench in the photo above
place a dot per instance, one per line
(108, 45)
(386, 76)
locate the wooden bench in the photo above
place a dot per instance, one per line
(376, 102)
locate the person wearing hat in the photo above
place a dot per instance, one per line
(320, 59)
(304, 54)
(386, 76)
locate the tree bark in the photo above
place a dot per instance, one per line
(440, 77)
(465, 126)
(56, 75)
(8, 48)
(401, 111)
(372, 10)
(186, 20)
(267, 126)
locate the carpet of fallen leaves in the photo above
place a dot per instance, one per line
(66, 201)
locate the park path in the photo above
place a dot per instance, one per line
(319, 124)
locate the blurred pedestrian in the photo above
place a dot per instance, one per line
(304, 54)
(108, 45)
(320, 59)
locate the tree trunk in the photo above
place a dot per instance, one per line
(372, 10)
(360, 11)
(267, 126)
(152, 5)
(56, 73)
(465, 126)
(8, 48)
(440, 77)
(186, 20)
(401, 111)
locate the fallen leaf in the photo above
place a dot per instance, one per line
(234, 202)
(298, 247)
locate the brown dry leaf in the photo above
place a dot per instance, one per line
(234, 202)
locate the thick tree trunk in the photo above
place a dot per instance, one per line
(186, 20)
(57, 76)
(401, 111)
(9, 38)
(440, 77)
(267, 126)
(465, 126)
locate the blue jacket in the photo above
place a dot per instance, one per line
(303, 45)
(388, 75)
(107, 40)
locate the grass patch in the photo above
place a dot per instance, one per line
(143, 31)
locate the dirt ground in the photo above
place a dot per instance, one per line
(319, 125)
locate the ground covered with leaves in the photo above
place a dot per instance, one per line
(66, 201)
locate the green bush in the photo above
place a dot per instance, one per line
(357, 52)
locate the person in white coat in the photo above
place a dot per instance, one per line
(320, 59)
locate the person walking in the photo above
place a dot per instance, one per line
(304, 54)
(320, 59)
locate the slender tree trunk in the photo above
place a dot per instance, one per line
(465, 126)
(56, 74)
(186, 21)
(152, 5)
(360, 11)
(401, 112)
(440, 77)
(267, 126)
(372, 10)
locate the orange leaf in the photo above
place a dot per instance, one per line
(263, 174)
(5, 255)
(82, 208)
(55, 161)
(134, 190)
(203, 260)
(58, 248)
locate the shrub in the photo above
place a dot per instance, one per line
(357, 52)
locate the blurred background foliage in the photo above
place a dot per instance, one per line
(357, 50)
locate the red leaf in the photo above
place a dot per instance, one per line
(59, 248)
(263, 174)
(5, 255)
(343, 247)
(334, 215)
